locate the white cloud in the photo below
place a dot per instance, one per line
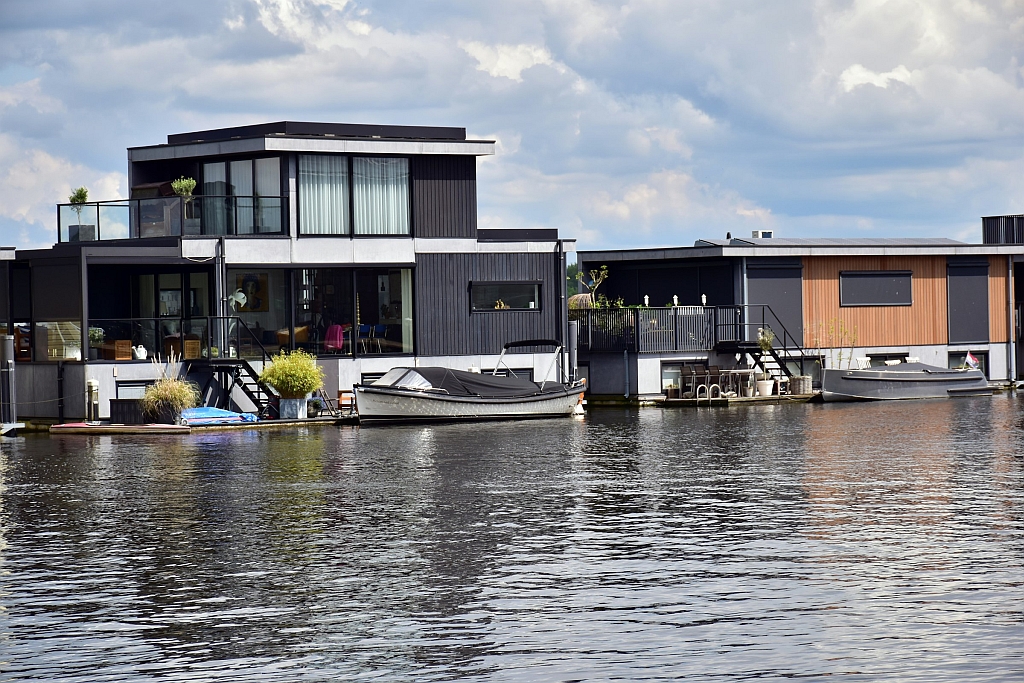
(508, 61)
(32, 182)
(637, 121)
(858, 75)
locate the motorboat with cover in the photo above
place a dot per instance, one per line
(902, 381)
(433, 393)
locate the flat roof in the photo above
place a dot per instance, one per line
(306, 129)
(303, 136)
(815, 246)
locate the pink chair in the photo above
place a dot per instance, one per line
(334, 339)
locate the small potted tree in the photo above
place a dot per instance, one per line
(165, 399)
(80, 233)
(183, 187)
(293, 376)
(765, 383)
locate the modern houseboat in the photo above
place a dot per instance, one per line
(358, 243)
(695, 312)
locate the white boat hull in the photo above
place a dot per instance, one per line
(401, 405)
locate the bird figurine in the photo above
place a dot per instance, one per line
(237, 299)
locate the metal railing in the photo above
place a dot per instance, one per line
(171, 217)
(678, 328)
(196, 338)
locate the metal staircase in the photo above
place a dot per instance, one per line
(236, 371)
(736, 330)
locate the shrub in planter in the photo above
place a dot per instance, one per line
(164, 400)
(293, 376)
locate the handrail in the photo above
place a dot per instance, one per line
(172, 217)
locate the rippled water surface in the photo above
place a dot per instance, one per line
(861, 541)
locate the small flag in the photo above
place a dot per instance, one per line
(971, 360)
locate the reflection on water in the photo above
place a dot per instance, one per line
(798, 540)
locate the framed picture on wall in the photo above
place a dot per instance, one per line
(257, 292)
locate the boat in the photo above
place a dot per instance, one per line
(902, 381)
(443, 394)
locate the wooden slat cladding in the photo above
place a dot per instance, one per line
(923, 322)
(443, 196)
(997, 299)
(444, 323)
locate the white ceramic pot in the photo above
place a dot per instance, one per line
(748, 392)
(293, 409)
(765, 387)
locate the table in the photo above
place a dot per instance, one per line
(734, 379)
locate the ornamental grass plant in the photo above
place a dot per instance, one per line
(170, 394)
(293, 375)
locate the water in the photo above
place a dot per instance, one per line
(861, 541)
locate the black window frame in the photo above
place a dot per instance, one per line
(539, 284)
(350, 209)
(981, 355)
(857, 274)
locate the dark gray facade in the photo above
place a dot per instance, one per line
(447, 326)
(443, 196)
(967, 283)
(778, 283)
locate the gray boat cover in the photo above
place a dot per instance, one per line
(462, 383)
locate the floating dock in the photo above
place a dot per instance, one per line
(99, 429)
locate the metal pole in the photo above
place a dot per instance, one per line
(60, 392)
(7, 391)
(574, 330)
(1011, 362)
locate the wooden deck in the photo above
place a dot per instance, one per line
(164, 429)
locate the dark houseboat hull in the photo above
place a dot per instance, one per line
(904, 381)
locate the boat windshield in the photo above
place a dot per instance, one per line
(391, 377)
(413, 380)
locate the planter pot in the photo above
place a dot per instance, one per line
(166, 415)
(748, 392)
(94, 353)
(293, 409)
(673, 393)
(765, 387)
(312, 409)
(81, 233)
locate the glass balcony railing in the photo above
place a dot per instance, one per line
(171, 217)
(185, 338)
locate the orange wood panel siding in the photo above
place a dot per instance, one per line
(924, 322)
(997, 299)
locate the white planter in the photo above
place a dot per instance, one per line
(765, 387)
(293, 409)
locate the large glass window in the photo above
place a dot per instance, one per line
(380, 195)
(875, 288)
(323, 194)
(215, 208)
(262, 306)
(323, 311)
(505, 296)
(384, 310)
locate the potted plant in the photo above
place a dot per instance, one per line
(96, 337)
(314, 406)
(293, 376)
(80, 233)
(165, 399)
(183, 187)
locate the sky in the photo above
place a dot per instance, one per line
(624, 124)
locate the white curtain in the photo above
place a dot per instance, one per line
(381, 195)
(406, 310)
(267, 174)
(323, 194)
(215, 186)
(241, 187)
